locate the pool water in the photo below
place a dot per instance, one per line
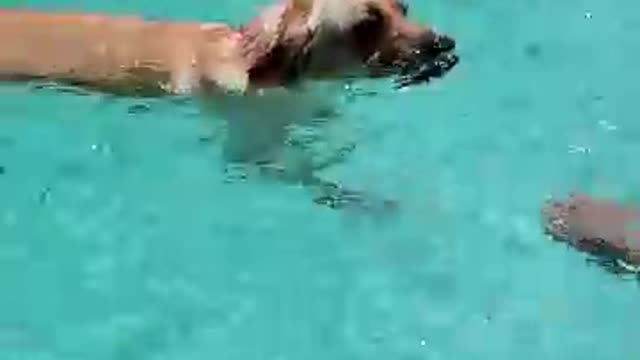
(122, 236)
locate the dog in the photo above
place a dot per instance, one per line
(598, 227)
(283, 67)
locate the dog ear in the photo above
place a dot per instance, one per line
(263, 33)
(274, 39)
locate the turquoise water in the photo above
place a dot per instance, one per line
(121, 237)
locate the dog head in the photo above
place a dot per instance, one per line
(329, 39)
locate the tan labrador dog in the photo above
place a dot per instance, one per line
(290, 41)
(283, 67)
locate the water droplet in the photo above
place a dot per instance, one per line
(607, 126)
(103, 149)
(423, 342)
(575, 149)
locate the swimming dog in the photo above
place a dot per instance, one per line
(290, 41)
(598, 227)
(282, 67)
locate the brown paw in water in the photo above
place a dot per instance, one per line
(598, 227)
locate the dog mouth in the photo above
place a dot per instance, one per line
(424, 63)
(426, 70)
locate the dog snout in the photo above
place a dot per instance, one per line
(434, 44)
(444, 43)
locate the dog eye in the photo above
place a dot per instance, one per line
(403, 6)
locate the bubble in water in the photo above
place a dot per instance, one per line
(576, 149)
(102, 149)
(607, 126)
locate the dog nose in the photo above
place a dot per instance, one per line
(433, 43)
(444, 43)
